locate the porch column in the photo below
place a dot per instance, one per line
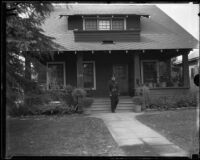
(137, 80)
(185, 70)
(79, 70)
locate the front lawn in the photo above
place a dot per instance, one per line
(178, 126)
(72, 135)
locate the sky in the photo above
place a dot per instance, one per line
(185, 15)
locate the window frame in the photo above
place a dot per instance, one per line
(104, 18)
(157, 67)
(64, 74)
(94, 74)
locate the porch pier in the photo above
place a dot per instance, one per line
(136, 61)
(80, 70)
(186, 70)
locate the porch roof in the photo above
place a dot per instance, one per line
(157, 32)
(104, 9)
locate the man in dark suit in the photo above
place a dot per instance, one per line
(114, 93)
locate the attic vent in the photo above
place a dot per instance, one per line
(107, 42)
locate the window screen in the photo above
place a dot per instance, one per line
(90, 24)
(104, 25)
(117, 24)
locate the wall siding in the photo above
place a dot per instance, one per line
(75, 22)
(133, 22)
(81, 36)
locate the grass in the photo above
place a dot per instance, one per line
(178, 126)
(73, 135)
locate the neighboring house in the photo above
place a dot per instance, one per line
(137, 43)
(193, 60)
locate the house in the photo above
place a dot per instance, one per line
(138, 43)
(193, 62)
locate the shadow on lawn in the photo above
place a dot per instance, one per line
(139, 150)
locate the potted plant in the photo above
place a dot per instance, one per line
(86, 103)
(139, 102)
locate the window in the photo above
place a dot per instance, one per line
(89, 75)
(55, 75)
(149, 72)
(104, 25)
(164, 73)
(90, 24)
(117, 24)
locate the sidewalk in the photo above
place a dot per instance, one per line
(135, 137)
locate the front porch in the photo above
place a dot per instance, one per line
(92, 71)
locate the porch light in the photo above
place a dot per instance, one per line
(112, 16)
(143, 51)
(58, 52)
(109, 52)
(161, 50)
(126, 51)
(177, 50)
(92, 52)
(126, 16)
(97, 16)
(75, 52)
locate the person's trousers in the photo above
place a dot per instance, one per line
(114, 102)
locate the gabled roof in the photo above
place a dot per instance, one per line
(157, 32)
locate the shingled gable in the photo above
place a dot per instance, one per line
(157, 32)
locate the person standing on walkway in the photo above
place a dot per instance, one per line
(114, 93)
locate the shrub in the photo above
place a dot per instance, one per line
(139, 100)
(86, 102)
(169, 102)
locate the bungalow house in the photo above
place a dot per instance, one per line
(138, 43)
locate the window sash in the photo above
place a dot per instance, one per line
(55, 78)
(104, 24)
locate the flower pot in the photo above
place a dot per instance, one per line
(137, 108)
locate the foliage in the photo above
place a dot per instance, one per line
(173, 102)
(86, 102)
(24, 35)
(139, 100)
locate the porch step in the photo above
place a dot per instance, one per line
(103, 105)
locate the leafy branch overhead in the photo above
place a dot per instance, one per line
(25, 38)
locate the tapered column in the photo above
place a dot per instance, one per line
(186, 70)
(137, 78)
(79, 70)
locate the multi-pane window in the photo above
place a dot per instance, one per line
(90, 24)
(117, 24)
(104, 24)
(55, 79)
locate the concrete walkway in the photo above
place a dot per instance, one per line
(128, 131)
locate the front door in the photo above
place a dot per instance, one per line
(121, 74)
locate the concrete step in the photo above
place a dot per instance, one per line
(118, 106)
(109, 111)
(108, 107)
(108, 102)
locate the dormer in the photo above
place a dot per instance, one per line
(105, 27)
